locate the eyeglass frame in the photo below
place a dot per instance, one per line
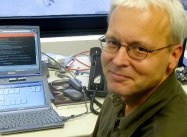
(128, 48)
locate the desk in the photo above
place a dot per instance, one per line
(82, 126)
(78, 127)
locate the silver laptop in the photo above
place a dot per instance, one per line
(25, 103)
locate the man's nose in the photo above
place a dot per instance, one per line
(122, 57)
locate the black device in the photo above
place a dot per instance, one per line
(73, 94)
(183, 60)
(76, 84)
(181, 74)
(96, 78)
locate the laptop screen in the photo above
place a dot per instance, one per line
(19, 51)
(21, 95)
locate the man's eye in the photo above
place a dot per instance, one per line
(111, 42)
(138, 48)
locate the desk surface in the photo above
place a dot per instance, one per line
(77, 127)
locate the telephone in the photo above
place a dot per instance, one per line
(97, 81)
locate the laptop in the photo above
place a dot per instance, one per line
(25, 103)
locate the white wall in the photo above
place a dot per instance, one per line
(69, 45)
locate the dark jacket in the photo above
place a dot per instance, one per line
(163, 114)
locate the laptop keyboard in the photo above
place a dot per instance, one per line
(29, 120)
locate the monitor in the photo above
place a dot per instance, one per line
(57, 17)
(183, 58)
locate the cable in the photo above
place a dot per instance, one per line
(81, 62)
(74, 58)
(61, 85)
(82, 53)
(92, 105)
(59, 65)
(92, 100)
(77, 115)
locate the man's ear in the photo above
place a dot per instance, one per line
(175, 56)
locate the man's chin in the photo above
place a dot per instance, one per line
(115, 90)
(119, 90)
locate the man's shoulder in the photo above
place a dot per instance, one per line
(176, 108)
(171, 119)
(167, 122)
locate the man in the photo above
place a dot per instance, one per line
(141, 50)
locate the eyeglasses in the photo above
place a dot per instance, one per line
(136, 52)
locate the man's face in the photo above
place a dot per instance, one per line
(150, 29)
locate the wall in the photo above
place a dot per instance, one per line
(69, 45)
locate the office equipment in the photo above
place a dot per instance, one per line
(76, 84)
(24, 94)
(67, 91)
(73, 94)
(96, 78)
(184, 54)
(96, 83)
(183, 58)
(181, 74)
(184, 3)
(62, 18)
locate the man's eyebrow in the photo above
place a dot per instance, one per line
(111, 37)
(129, 43)
(141, 43)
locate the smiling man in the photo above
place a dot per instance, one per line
(141, 50)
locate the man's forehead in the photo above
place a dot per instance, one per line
(153, 21)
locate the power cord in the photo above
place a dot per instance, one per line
(92, 105)
(58, 66)
(78, 115)
(92, 100)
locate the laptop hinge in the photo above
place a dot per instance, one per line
(17, 79)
